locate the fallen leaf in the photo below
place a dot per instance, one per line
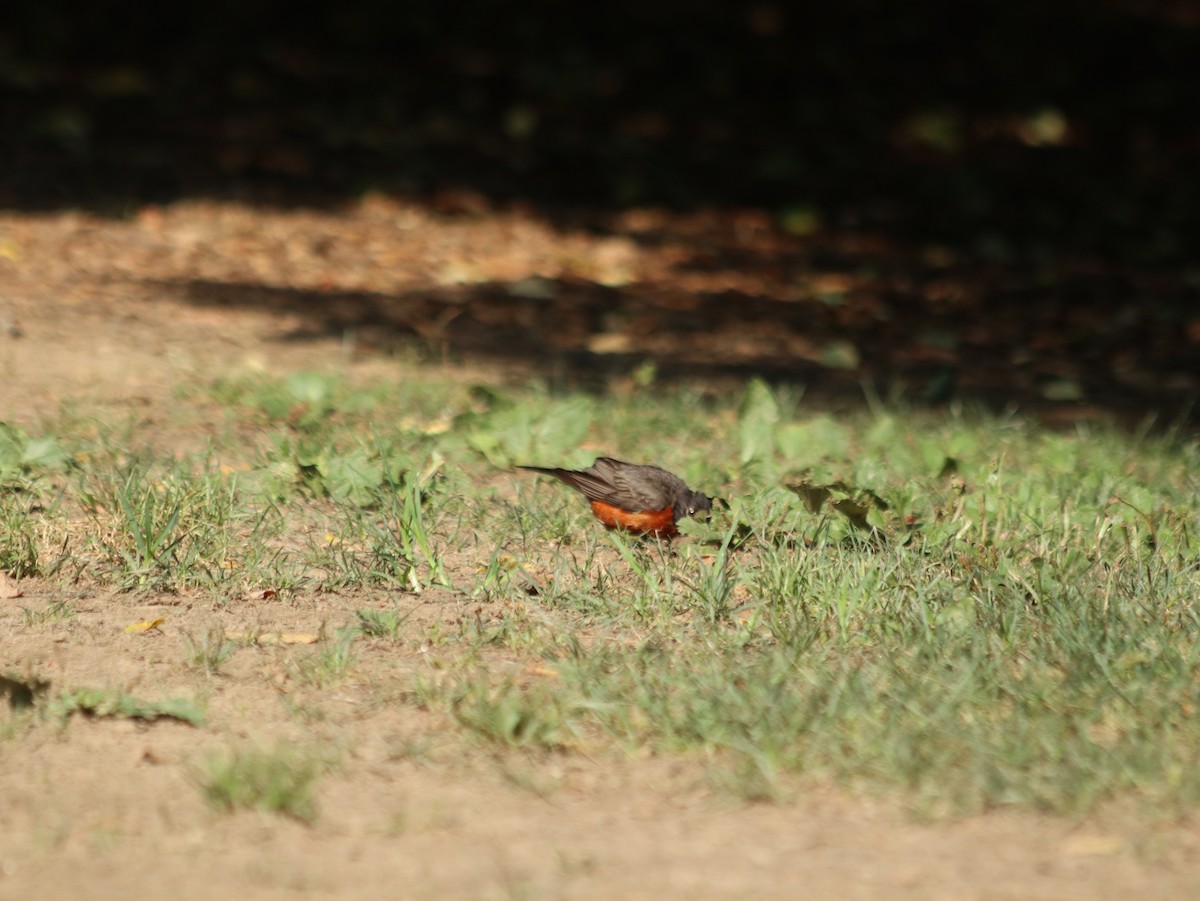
(145, 626)
(1092, 846)
(299, 638)
(840, 355)
(533, 288)
(287, 638)
(814, 496)
(610, 343)
(9, 587)
(853, 511)
(504, 563)
(263, 594)
(1062, 390)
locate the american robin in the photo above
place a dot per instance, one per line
(646, 500)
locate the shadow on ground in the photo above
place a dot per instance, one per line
(1063, 361)
(999, 202)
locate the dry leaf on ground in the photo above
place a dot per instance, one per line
(145, 626)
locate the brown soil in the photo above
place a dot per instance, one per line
(111, 315)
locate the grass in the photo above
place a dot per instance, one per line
(329, 665)
(19, 555)
(118, 704)
(511, 714)
(967, 610)
(280, 781)
(382, 623)
(54, 612)
(209, 651)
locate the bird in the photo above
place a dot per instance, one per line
(643, 499)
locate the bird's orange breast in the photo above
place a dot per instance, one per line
(648, 522)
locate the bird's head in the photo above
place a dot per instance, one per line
(696, 502)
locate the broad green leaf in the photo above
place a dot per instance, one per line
(116, 704)
(11, 449)
(563, 427)
(821, 438)
(525, 434)
(353, 476)
(311, 388)
(758, 419)
(44, 453)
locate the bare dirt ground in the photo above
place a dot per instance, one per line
(110, 315)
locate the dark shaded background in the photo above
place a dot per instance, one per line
(1042, 158)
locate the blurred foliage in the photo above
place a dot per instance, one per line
(1017, 129)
